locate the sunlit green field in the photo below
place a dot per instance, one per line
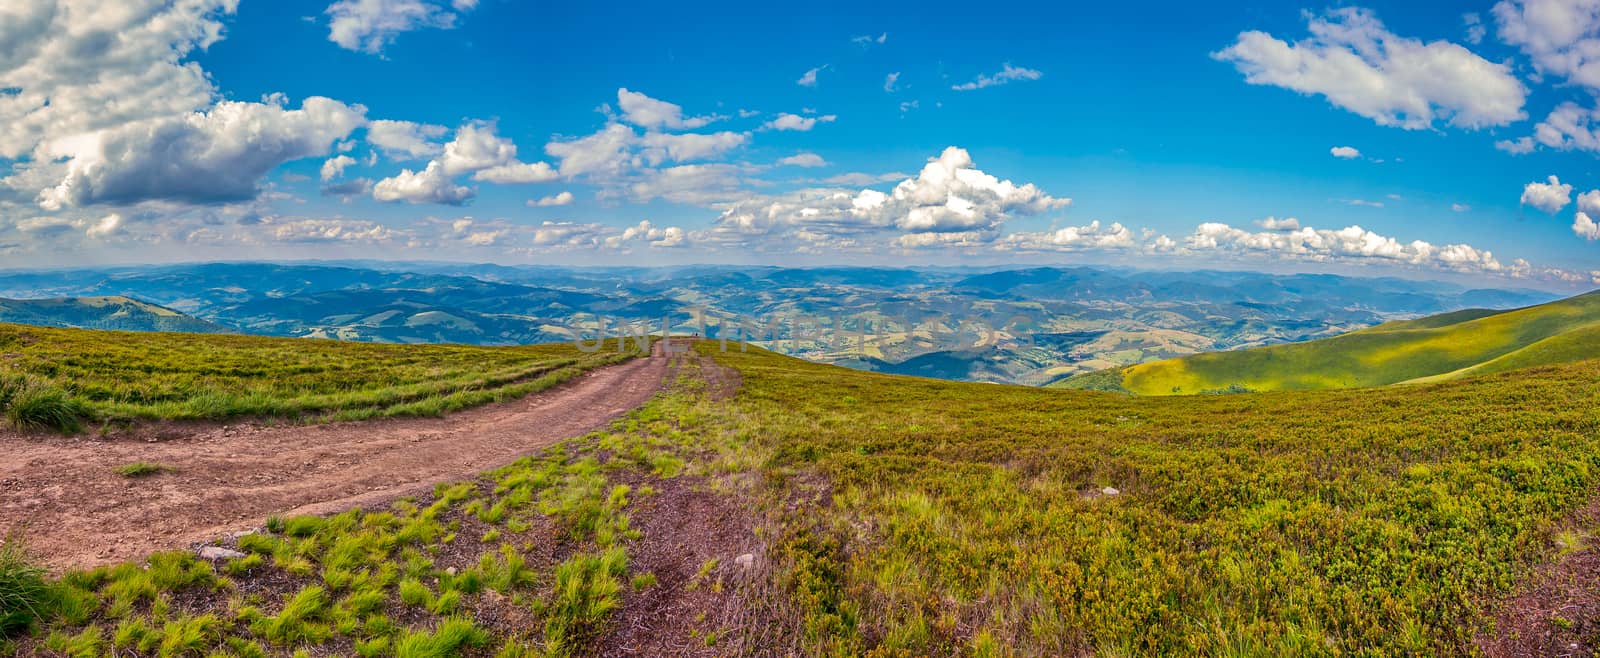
(908, 517)
(531, 559)
(1450, 345)
(969, 517)
(62, 378)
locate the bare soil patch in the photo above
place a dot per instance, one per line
(685, 528)
(75, 510)
(1556, 612)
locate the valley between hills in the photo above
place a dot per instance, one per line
(1031, 326)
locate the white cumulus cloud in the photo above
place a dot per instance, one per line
(1351, 244)
(77, 67)
(200, 157)
(1568, 127)
(1549, 197)
(1276, 224)
(107, 226)
(608, 150)
(649, 234)
(952, 194)
(369, 25)
(685, 147)
(949, 195)
(517, 173)
(475, 149)
(1071, 238)
(646, 112)
(1561, 37)
(1357, 64)
(787, 121)
(405, 139)
(1583, 224)
(1345, 152)
(803, 160)
(1584, 227)
(307, 230)
(431, 185)
(334, 167)
(562, 199)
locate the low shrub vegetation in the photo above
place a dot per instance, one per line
(61, 379)
(904, 517)
(965, 517)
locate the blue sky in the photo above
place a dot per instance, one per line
(1147, 134)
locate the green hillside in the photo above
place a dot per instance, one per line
(113, 312)
(900, 516)
(1427, 349)
(62, 378)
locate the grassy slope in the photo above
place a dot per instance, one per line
(954, 519)
(122, 376)
(1372, 521)
(1575, 345)
(1455, 343)
(532, 559)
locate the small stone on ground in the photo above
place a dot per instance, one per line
(219, 553)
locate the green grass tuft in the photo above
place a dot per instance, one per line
(587, 589)
(299, 620)
(31, 406)
(141, 469)
(191, 636)
(446, 640)
(302, 526)
(25, 597)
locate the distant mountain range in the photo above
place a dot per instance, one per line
(115, 313)
(1028, 326)
(1435, 348)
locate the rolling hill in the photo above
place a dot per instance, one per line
(1029, 326)
(765, 505)
(114, 312)
(1447, 346)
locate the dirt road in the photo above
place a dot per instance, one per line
(75, 511)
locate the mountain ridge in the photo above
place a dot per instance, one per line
(107, 312)
(1020, 325)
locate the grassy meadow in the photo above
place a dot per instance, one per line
(1428, 349)
(977, 519)
(532, 559)
(67, 378)
(909, 517)
(453, 573)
